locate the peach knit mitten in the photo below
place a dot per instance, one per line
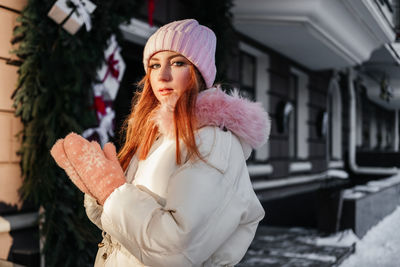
(100, 171)
(58, 153)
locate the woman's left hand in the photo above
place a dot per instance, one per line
(99, 171)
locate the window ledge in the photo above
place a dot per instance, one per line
(18, 221)
(336, 164)
(260, 169)
(303, 166)
(335, 173)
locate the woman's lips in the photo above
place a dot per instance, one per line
(165, 91)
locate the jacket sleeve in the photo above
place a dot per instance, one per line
(205, 205)
(93, 210)
(238, 243)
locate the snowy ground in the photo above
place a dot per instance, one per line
(380, 246)
(299, 247)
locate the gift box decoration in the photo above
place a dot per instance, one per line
(72, 14)
(109, 77)
(105, 118)
(111, 73)
(105, 129)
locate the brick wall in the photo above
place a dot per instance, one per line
(10, 176)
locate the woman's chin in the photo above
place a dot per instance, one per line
(169, 100)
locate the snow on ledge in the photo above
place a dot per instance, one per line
(345, 238)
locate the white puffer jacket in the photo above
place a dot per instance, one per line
(196, 214)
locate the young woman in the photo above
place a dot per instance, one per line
(179, 192)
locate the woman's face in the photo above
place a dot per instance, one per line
(169, 76)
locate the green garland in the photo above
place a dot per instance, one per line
(53, 98)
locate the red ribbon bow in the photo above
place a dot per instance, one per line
(111, 67)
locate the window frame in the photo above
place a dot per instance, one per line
(262, 87)
(335, 120)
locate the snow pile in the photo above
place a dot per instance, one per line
(352, 194)
(380, 246)
(385, 182)
(371, 187)
(342, 239)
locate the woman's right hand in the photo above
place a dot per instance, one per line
(100, 171)
(94, 171)
(58, 153)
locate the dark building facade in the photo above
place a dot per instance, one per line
(326, 72)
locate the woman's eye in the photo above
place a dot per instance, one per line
(178, 63)
(154, 66)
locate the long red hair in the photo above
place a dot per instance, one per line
(141, 131)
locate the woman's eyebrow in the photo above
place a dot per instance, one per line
(169, 58)
(173, 56)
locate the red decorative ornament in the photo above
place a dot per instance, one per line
(111, 64)
(99, 105)
(151, 6)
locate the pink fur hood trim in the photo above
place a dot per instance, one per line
(247, 120)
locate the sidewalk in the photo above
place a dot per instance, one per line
(295, 247)
(278, 247)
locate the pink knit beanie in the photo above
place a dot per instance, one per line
(187, 37)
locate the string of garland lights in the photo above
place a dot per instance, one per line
(54, 97)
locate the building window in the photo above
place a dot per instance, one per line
(359, 121)
(389, 138)
(380, 136)
(374, 133)
(247, 80)
(395, 131)
(386, 135)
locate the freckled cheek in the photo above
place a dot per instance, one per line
(153, 84)
(182, 83)
(152, 79)
(185, 77)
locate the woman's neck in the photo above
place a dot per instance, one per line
(164, 119)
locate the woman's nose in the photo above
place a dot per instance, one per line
(164, 74)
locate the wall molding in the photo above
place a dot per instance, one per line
(10, 9)
(345, 32)
(18, 221)
(301, 179)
